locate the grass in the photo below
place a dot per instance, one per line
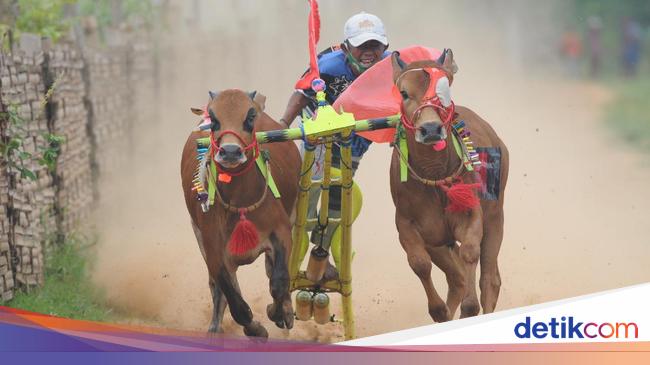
(629, 114)
(67, 291)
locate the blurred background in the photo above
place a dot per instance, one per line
(564, 83)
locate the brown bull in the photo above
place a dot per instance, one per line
(234, 117)
(428, 231)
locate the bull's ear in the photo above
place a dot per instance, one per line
(447, 61)
(398, 65)
(442, 57)
(212, 94)
(258, 98)
(197, 111)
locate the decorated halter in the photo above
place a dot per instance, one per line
(462, 196)
(431, 99)
(244, 236)
(215, 143)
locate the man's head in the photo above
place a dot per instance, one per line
(365, 41)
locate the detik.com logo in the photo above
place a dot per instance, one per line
(568, 327)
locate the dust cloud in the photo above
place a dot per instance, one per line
(575, 221)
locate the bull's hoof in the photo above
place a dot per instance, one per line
(275, 315)
(213, 329)
(440, 313)
(281, 316)
(469, 308)
(287, 313)
(256, 332)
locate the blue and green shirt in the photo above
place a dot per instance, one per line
(337, 74)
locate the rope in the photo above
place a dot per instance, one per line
(429, 100)
(233, 209)
(216, 147)
(447, 180)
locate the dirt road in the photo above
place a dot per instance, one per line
(575, 203)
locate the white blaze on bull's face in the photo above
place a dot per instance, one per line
(429, 125)
(444, 91)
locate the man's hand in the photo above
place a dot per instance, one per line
(296, 103)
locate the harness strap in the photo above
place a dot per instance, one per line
(232, 208)
(402, 151)
(262, 162)
(212, 181)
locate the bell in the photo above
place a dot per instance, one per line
(321, 308)
(317, 264)
(303, 305)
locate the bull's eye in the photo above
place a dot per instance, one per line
(405, 95)
(214, 122)
(249, 122)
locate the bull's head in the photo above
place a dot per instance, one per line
(424, 89)
(232, 115)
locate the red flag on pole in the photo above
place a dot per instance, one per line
(314, 35)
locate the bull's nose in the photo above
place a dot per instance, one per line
(431, 132)
(230, 152)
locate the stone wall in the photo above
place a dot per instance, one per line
(109, 98)
(6, 270)
(29, 204)
(91, 101)
(69, 118)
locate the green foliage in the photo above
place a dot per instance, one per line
(612, 15)
(5, 33)
(44, 17)
(12, 150)
(614, 10)
(47, 18)
(629, 114)
(68, 291)
(51, 151)
(102, 10)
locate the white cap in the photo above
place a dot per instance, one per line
(364, 27)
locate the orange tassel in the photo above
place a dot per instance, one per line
(224, 178)
(244, 237)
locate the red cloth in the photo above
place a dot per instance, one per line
(371, 94)
(314, 36)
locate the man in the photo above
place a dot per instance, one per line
(364, 44)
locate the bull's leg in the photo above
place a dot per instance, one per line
(218, 299)
(218, 307)
(447, 260)
(281, 310)
(420, 262)
(469, 236)
(490, 281)
(239, 309)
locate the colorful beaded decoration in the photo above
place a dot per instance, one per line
(199, 177)
(463, 134)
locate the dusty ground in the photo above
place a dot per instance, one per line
(575, 217)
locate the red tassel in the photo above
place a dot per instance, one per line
(461, 197)
(244, 237)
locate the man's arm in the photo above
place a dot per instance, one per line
(296, 103)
